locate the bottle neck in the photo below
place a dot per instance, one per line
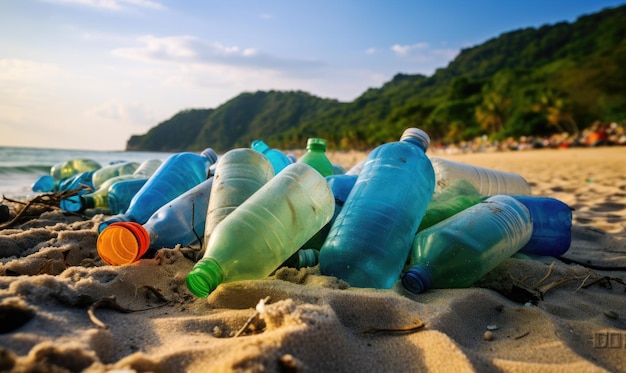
(204, 278)
(417, 279)
(416, 142)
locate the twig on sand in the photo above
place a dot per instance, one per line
(254, 316)
(48, 202)
(111, 303)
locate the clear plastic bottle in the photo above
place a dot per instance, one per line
(179, 173)
(100, 197)
(97, 199)
(487, 181)
(121, 193)
(239, 173)
(316, 156)
(72, 167)
(178, 222)
(265, 230)
(459, 195)
(103, 174)
(369, 242)
(340, 185)
(458, 251)
(552, 226)
(356, 169)
(278, 159)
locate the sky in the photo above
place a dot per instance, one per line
(89, 74)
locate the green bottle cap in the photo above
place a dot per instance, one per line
(316, 143)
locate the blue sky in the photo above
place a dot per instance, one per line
(88, 74)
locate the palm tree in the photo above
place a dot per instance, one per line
(493, 112)
(557, 110)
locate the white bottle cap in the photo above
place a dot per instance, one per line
(418, 134)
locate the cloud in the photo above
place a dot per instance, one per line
(116, 5)
(370, 51)
(186, 49)
(13, 69)
(116, 110)
(404, 50)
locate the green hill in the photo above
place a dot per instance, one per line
(538, 81)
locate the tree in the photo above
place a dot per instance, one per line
(557, 110)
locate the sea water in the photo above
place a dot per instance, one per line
(20, 167)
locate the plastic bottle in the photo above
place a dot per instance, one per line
(45, 183)
(458, 196)
(552, 226)
(179, 173)
(456, 252)
(489, 182)
(278, 159)
(338, 169)
(178, 222)
(72, 167)
(369, 241)
(95, 200)
(265, 230)
(103, 174)
(340, 185)
(316, 156)
(82, 181)
(301, 259)
(239, 173)
(356, 169)
(99, 198)
(121, 193)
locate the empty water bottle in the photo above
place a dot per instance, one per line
(100, 197)
(121, 193)
(316, 156)
(103, 174)
(458, 196)
(369, 241)
(238, 174)
(459, 250)
(487, 181)
(552, 226)
(72, 167)
(265, 230)
(278, 159)
(340, 185)
(45, 183)
(302, 258)
(179, 173)
(178, 222)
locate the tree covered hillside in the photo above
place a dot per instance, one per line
(532, 81)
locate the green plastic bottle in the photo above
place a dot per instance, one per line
(459, 195)
(316, 156)
(265, 230)
(239, 173)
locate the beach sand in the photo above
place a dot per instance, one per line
(62, 309)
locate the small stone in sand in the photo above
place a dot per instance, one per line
(488, 336)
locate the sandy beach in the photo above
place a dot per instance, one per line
(62, 309)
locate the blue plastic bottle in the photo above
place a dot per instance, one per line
(369, 242)
(552, 226)
(179, 173)
(44, 183)
(278, 159)
(122, 192)
(459, 250)
(178, 222)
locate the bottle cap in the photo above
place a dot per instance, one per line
(316, 143)
(204, 277)
(123, 243)
(210, 154)
(308, 257)
(418, 279)
(418, 134)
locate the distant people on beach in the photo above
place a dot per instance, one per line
(598, 134)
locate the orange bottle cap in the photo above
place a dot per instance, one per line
(123, 243)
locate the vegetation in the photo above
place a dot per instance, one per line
(532, 81)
